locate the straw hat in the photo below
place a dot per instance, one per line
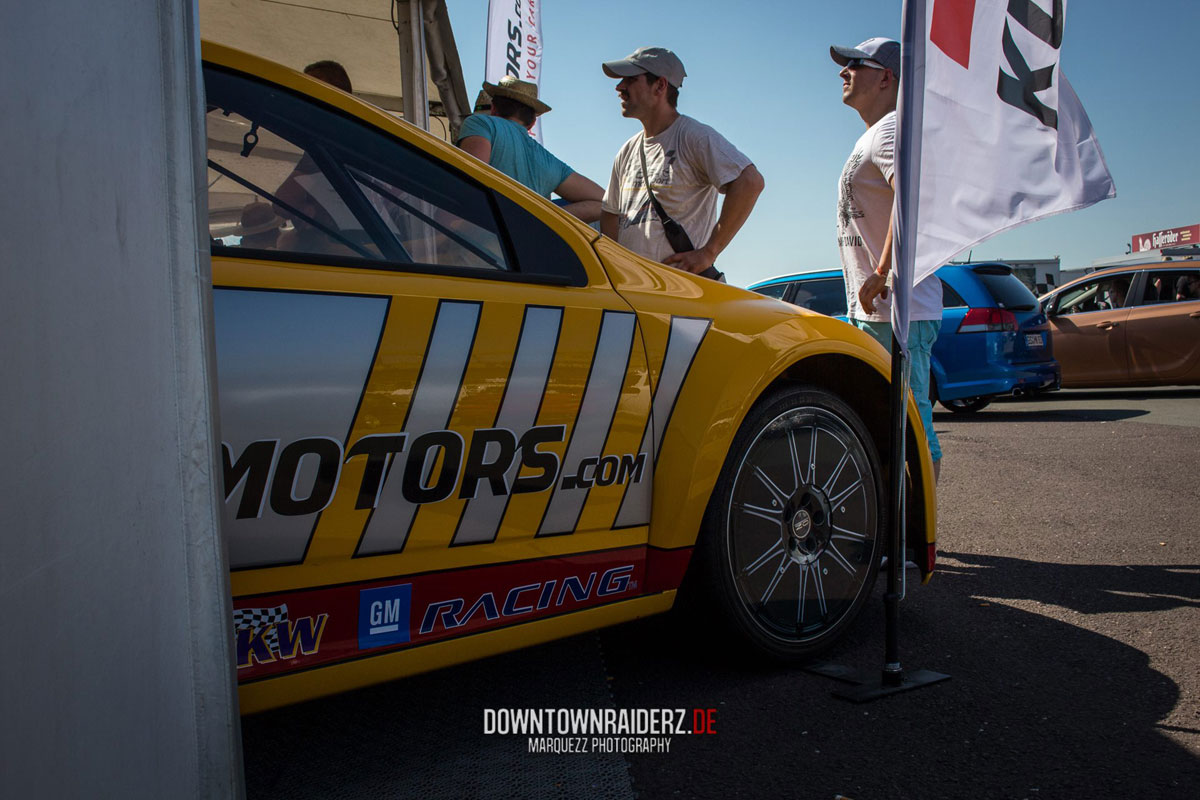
(258, 218)
(523, 92)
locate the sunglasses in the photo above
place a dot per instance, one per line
(855, 63)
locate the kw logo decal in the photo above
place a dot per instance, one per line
(266, 635)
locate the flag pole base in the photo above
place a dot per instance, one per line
(864, 690)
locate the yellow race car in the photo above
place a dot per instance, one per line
(456, 421)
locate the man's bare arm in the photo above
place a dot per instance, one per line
(610, 225)
(582, 195)
(477, 146)
(876, 283)
(741, 194)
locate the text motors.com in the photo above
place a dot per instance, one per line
(599, 721)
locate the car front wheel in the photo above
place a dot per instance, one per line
(792, 534)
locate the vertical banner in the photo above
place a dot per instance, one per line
(983, 89)
(514, 44)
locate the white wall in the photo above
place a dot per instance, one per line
(115, 673)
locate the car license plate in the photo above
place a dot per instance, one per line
(1033, 340)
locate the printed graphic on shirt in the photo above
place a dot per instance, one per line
(662, 178)
(847, 209)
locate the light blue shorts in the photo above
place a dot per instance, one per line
(921, 336)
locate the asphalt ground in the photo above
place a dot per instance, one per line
(1066, 609)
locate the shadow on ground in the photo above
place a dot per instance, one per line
(1086, 588)
(1129, 393)
(423, 737)
(992, 415)
(1036, 707)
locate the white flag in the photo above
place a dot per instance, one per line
(514, 44)
(991, 134)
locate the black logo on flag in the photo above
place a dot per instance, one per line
(1020, 89)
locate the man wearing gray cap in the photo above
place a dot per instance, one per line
(870, 83)
(673, 219)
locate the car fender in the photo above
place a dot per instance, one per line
(752, 344)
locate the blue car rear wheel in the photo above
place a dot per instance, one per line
(966, 405)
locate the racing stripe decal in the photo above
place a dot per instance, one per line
(523, 394)
(433, 401)
(594, 420)
(682, 346)
(289, 392)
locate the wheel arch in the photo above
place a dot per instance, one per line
(867, 392)
(857, 374)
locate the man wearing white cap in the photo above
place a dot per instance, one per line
(675, 220)
(870, 83)
(502, 139)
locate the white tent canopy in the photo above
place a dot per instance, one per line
(375, 40)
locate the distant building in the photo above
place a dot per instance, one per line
(1168, 244)
(1039, 274)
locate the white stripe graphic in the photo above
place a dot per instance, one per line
(518, 413)
(284, 378)
(682, 344)
(432, 403)
(595, 417)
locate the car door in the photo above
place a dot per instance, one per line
(1164, 328)
(1088, 326)
(419, 377)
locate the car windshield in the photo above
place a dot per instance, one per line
(1008, 291)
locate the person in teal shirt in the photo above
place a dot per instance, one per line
(502, 139)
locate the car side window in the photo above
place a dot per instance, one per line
(1103, 294)
(323, 185)
(951, 298)
(1171, 286)
(776, 290)
(823, 295)
(266, 192)
(432, 235)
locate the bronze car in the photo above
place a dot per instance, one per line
(1128, 326)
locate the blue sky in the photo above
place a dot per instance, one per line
(759, 72)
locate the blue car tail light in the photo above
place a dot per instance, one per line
(988, 320)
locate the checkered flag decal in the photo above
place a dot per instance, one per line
(258, 618)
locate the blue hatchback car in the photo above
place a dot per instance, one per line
(994, 340)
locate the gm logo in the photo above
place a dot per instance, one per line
(383, 615)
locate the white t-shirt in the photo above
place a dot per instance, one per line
(864, 211)
(688, 164)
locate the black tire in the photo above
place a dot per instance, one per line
(966, 405)
(789, 552)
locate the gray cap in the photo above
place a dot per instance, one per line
(657, 61)
(885, 52)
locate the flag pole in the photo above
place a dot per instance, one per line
(893, 673)
(893, 677)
